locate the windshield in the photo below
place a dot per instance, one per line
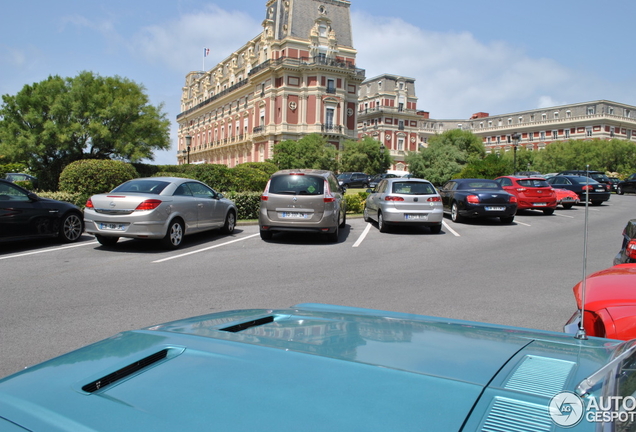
(143, 186)
(479, 184)
(297, 185)
(583, 180)
(413, 188)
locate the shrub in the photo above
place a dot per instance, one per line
(73, 197)
(355, 202)
(27, 184)
(93, 176)
(268, 168)
(214, 175)
(247, 179)
(247, 203)
(12, 168)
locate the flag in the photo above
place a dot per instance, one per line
(206, 52)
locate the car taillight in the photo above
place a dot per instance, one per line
(588, 187)
(89, 204)
(631, 249)
(150, 204)
(513, 199)
(393, 198)
(593, 324)
(521, 189)
(329, 198)
(473, 199)
(434, 199)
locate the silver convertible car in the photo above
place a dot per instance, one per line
(402, 201)
(324, 368)
(165, 208)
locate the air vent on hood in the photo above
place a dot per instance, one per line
(248, 324)
(125, 372)
(540, 376)
(508, 415)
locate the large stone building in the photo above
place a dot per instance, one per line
(297, 77)
(536, 128)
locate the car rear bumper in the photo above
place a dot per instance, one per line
(485, 210)
(524, 204)
(328, 223)
(112, 227)
(413, 217)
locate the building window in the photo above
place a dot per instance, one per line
(520, 119)
(488, 140)
(509, 121)
(542, 136)
(568, 114)
(588, 131)
(544, 117)
(490, 123)
(531, 136)
(331, 86)
(532, 117)
(628, 113)
(567, 133)
(612, 131)
(555, 134)
(400, 144)
(556, 115)
(610, 110)
(591, 110)
(379, 85)
(329, 117)
(401, 124)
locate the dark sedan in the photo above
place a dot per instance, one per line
(378, 178)
(583, 186)
(477, 198)
(23, 214)
(627, 254)
(627, 185)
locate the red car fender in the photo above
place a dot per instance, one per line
(623, 319)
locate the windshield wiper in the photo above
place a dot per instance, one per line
(584, 386)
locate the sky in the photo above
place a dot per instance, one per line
(491, 56)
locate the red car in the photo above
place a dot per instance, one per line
(566, 198)
(610, 304)
(531, 192)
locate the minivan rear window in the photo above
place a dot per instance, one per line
(297, 185)
(413, 188)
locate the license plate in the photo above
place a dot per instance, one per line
(568, 199)
(112, 227)
(539, 204)
(416, 217)
(600, 190)
(295, 215)
(495, 208)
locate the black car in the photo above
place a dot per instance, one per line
(582, 186)
(378, 178)
(353, 179)
(627, 254)
(23, 214)
(627, 185)
(596, 175)
(614, 181)
(477, 198)
(14, 177)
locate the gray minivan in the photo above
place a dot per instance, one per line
(302, 200)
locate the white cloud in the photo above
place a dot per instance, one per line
(179, 44)
(457, 75)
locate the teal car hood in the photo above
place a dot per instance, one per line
(311, 367)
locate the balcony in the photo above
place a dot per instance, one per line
(330, 128)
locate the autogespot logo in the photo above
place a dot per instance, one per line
(566, 409)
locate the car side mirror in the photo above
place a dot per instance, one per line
(369, 190)
(32, 196)
(219, 196)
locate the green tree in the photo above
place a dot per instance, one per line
(311, 151)
(446, 155)
(49, 124)
(365, 155)
(489, 167)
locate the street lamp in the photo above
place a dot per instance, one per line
(515, 143)
(188, 139)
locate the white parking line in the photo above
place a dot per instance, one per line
(521, 223)
(562, 215)
(455, 233)
(204, 249)
(363, 235)
(47, 250)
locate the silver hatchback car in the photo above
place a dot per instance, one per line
(302, 200)
(402, 201)
(165, 208)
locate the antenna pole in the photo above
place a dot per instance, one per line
(580, 334)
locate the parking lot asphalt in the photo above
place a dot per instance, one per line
(56, 297)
